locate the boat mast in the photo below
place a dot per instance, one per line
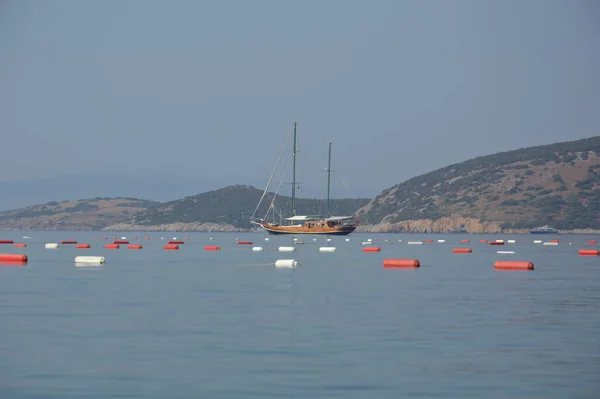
(328, 178)
(294, 175)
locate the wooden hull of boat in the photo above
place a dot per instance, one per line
(334, 231)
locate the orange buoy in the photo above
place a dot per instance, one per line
(555, 240)
(7, 242)
(371, 249)
(513, 265)
(175, 242)
(111, 246)
(465, 240)
(462, 250)
(401, 263)
(589, 252)
(212, 248)
(135, 246)
(68, 242)
(591, 242)
(497, 243)
(244, 242)
(19, 245)
(120, 241)
(428, 240)
(83, 246)
(13, 258)
(483, 241)
(171, 246)
(134, 238)
(146, 238)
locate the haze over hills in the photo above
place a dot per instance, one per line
(556, 184)
(28, 192)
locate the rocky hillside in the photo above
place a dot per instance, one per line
(557, 184)
(90, 214)
(226, 209)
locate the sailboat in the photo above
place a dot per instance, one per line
(308, 224)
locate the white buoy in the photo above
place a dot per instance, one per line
(329, 239)
(415, 243)
(286, 263)
(90, 259)
(211, 238)
(327, 249)
(287, 249)
(314, 239)
(51, 245)
(511, 241)
(266, 238)
(366, 243)
(505, 252)
(257, 249)
(550, 244)
(369, 239)
(123, 238)
(441, 240)
(347, 239)
(295, 239)
(537, 241)
(499, 240)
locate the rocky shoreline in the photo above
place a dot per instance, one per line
(424, 226)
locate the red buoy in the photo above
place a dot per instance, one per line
(111, 246)
(83, 246)
(68, 242)
(135, 246)
(555, 240)
(175, 242)
(120, 241)
(372, 249)
(13, 258)
(244, 242)
(462, 250)
(513, 265)
(465, 240)
(589, 252)
(171, 246)
(591, 242)
(497, 243)
(19, 245)
(212, 248)
(429, 240)
(7, 242)
(483, 241)
(401, 263)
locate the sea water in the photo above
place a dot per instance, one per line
(190, 323)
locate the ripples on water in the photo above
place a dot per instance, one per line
(196, 324)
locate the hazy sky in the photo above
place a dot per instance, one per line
(211, 88)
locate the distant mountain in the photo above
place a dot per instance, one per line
(89, 214)
(557, 184)
(231, 206)
(27, 192)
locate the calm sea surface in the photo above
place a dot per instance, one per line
(197, 324)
